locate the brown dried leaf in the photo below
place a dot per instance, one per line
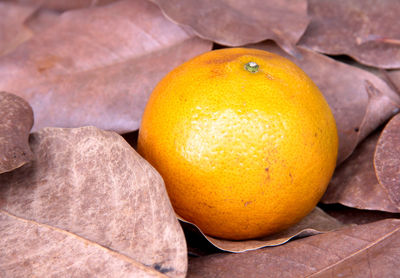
(349, 215)
(92, 183)
(16, 120)
(370, 250)
(360, 101)
(236, 23)
(368, 31)
(103, 76)
(394, 77)
(31, 249)
(19, 23)
(355, 184)
(42, 20)
(63, 5)
(12, 29)
(387, 160)
(314, 223)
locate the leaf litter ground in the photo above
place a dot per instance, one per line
(86, 191)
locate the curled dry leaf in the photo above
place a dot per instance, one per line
(16, 120)
(103, 76)
(387, 160)
(370, 250)
(365, 30)
(93, 184)
(236, 23)
(31, 249)
(355, 183)
(360, 101)
(314, 223)
(12, 28)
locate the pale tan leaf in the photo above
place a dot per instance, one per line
(92, 183)
(31, 249)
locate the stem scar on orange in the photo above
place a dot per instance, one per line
(244, 140)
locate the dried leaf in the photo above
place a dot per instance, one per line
(197, 244)
(394, 77)
(355, 184)
(63, 5)
(19, 23)
(236, 23)
(12, 29)
(314, 223)
(370, 250)
(41, 20)
(103, 76)
(349, 215)
(92, 183)
(30, 249)
(365, 30)
(360, 101)
(387, 160)
(16, 120)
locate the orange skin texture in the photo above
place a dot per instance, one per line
(243, 155)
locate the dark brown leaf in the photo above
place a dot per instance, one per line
(370, 250)
(387, 160)
(366, 30)
(16, 120)
(12, 29)
(103, 76)
(236, 23)
(314, 223)
(30, 249)
(92, 183)
(360, 101)
(355, 184)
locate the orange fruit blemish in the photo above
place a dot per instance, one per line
(244, 140)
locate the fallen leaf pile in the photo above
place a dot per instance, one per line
(76, 200)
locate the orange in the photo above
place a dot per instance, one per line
(244, 140)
